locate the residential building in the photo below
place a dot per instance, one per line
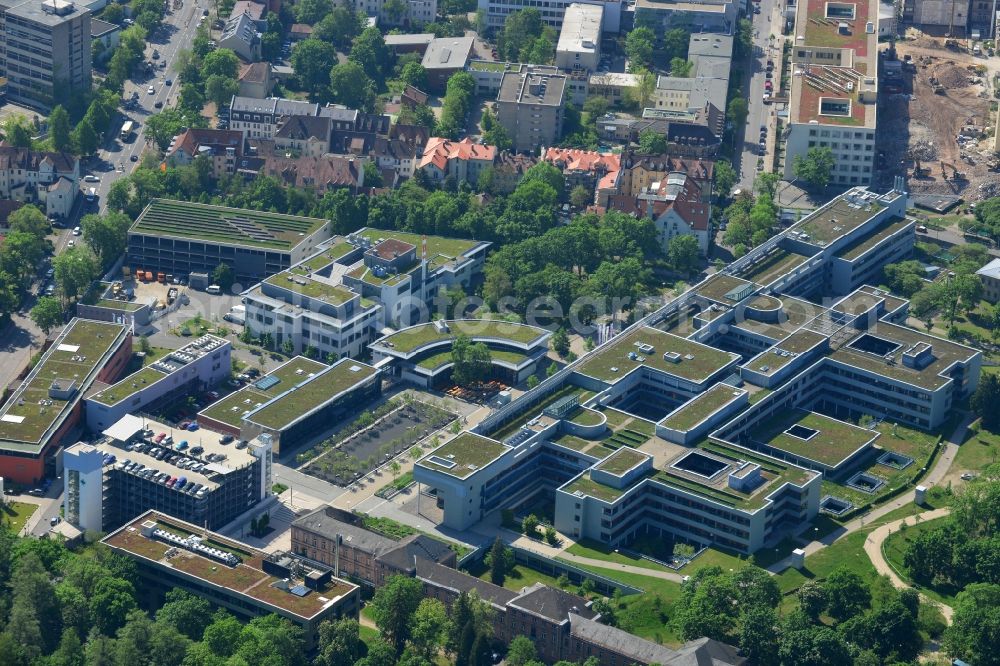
(832, 104)
(612, 86)
(254, 10)
(990, 277)
(461, 160)
(192, 369)
(104, 38)
(223, 148)
(409, 43)
(668, 416)
(689, 134)
(48, 405)
(579, 44)
(46, 48)
(497, 12)
(675, 204)
(231, 574)
(445, 56)
(296, 401)
(299, 31)
(303, 136)
(191, 476)
(321, 174)
(29, 176)
(242, 35)
(255, 80)
(179, 237)
(710, 56)
(530, 108)
(417, 12)
(398, 155)
(412, 97)
(422, 353)
(508, 170)
(339, 540)
(700, 16)
(599, 173)
(356, 134)
(639, 172)
(259, 118)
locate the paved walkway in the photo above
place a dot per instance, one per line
(937, 473)
(873, 548)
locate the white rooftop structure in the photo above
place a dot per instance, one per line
(580, 38)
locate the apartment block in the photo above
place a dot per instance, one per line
(530, 108)
(701, 16)
(46, 51)
(553, 13)
(462, 161)
(579, 44)
(416, 13)
(990, 277)
(832, 104)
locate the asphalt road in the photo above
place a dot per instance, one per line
(753, 84)
(114, 159)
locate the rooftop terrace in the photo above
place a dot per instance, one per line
(227, 226)
(76, 356)
(462, 456)
(813, 436)
(246, 579)
(689, 360)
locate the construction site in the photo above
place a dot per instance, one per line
(937, 118)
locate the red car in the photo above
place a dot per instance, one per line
(768, 85)
(159, 438)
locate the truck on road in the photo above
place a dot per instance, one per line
(128, 129)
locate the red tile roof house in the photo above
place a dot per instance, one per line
(676, 207)
(462, 160)
(222, 147)
(599, 173)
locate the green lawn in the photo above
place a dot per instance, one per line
(978, 451)
(895, 547)
(848, 551)
(16, 514)
(521, 576)
(599, 551)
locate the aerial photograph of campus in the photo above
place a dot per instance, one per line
(499, 333)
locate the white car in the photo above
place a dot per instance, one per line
(91, 178)
(150, 91)
(76, 231)
(71, 243)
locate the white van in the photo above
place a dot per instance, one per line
(214, 289)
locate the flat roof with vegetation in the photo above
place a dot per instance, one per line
(836, 219)
(75, 356)
(311, 288)
(699, 408)
(223, 225)
(317, 391)
(410, 339)
(128, 387)
(443, 358)
(621, 461)
(247, 579)
(230, 410)
(464, 455)
(697, 362)
(818, 437)
(440, 250)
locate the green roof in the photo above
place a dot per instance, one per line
(833, 441)
(230, 409)
(435, 361)
(75, 356)
(835, 220)
(621, 461)
(414, 337)
(365, 274)
(584, 485)
(870, 240)
(440, 250)
(462, 456)
(225, 226)
(118, 305)
(716, 287)
(773, 266)
(128, 387)
(313, 393)
(323, 291)
(696, 363)
(701, 407)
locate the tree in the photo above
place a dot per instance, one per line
(521, 651)
(683, 253)
(494, 133)
(339, 27)
(105, 235)
(59, 129)
(500, 560)
(985, 401)
(220, 62)
(74, 270)
(846, 594)
(313, 61)
(47, 313)
(369, 51)
(680, 67)
(815, 166)
(812, 599)
(974, 634)
(725, 178)
(737, 110)
(350, 86)
(85, 138)
(414, 74)
(645, 85)
(813, 646)
(113, 599)
(530, 525)
(652, 142)
(759, 635)
(889, 630)
(429, 628)
(339, 643)
(471, 361)
(767, 184)
(29, 220)
(393, 606)
(187, 613)
(521, 28)
(223, 276)
(17, 131)
(675, 43)
(560, 342)
(221, 90)
(639, 47)
(311, 12)
(580, 197)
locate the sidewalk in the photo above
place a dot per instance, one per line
(873, 548)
